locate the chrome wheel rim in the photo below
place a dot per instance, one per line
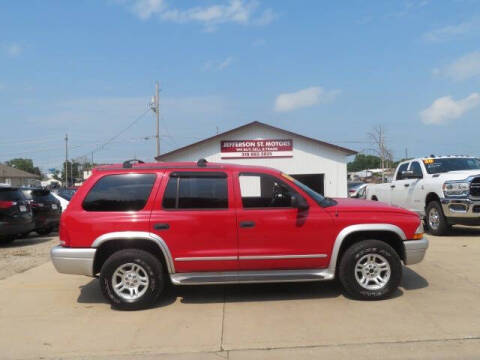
(372, 271)
(130, 281)
(434, 219)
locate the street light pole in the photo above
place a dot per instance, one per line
(66, 160)
(157, 114)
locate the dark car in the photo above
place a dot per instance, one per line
(46, 209)
(16, 217)
(67, 194)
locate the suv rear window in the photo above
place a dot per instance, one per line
(39, 195)
(205, 190)
(7, 194)
(125, 192)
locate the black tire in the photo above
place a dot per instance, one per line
(151, 267)
(374, 198)
(357, 252)
(44, 231)
(8, 239)
(440, 226)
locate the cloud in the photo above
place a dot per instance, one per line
(445, 109)
(304, 98)
(146, 8)
(465, 67)
(13, 50)
(242, 12)
(218, 66)
(451, 32)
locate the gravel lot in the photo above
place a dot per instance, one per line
(24, 254)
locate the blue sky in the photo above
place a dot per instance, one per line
(327, 69)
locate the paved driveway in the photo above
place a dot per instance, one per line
(434, 315)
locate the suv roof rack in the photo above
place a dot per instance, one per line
(128, 163)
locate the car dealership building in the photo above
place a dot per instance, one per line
(318, 164)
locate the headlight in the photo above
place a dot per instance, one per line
(456, 188)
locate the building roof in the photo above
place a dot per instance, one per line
(11, 172)
(258, 123)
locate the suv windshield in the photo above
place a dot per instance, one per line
(319, 199)
(437, 166)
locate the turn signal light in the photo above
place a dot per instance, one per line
(418, 236)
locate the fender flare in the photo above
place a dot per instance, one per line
(131, 235)
(342, 235)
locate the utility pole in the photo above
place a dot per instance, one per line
(157, 114)
(66, 160)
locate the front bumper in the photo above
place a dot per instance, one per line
(77, 261)
(461, 208)
(415, 250)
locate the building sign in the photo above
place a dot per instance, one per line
(255, 149)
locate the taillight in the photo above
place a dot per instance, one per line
(7, 204)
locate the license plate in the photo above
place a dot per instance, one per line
(22, 208)
(54, 206)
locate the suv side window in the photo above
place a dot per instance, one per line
(125, 192)
(401, 169)
(264, 191)
(416, 168)
(196, 190)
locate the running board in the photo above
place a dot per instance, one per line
(250, 277)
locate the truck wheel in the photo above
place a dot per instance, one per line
(370, 270)
(132, 279)
(435, 220)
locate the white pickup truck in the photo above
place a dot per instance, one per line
(443, 190)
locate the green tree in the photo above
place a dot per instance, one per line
(25, 165)
(364, 162)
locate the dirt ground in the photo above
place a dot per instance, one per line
(24, 254)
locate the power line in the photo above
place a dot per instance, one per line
(100, 147)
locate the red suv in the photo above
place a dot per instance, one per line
(141, 226)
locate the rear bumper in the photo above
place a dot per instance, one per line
(78, 261)
(42, 222)
(13, 229)
(415, 250)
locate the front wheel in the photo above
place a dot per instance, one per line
(132, 279)
(370, 270)
(435, 220)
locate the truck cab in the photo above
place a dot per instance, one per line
(442, 190)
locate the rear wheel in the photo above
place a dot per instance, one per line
(370, 270)
(435, 220)
(44, 231)
(132, 279)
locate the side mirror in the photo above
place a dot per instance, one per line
(409, 174)
(299, 202)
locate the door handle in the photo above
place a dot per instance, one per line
(392, 186)
(406, 185)
(161, 226)
(247, 224)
